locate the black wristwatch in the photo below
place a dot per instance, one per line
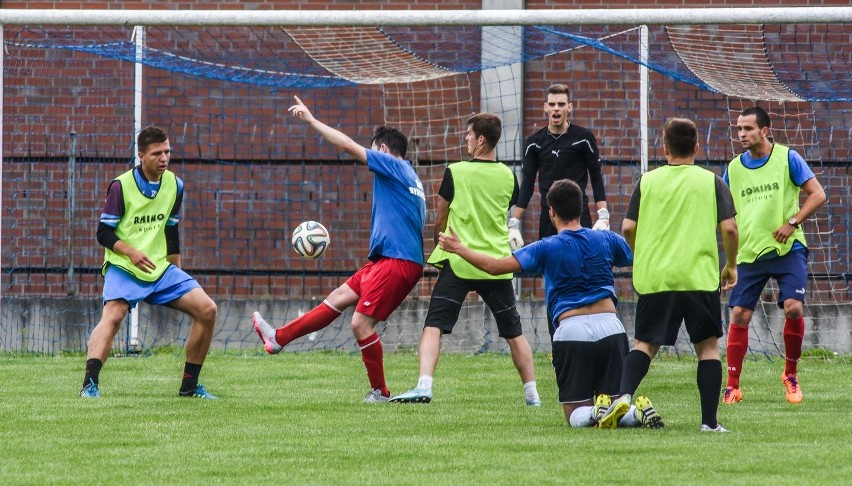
(792, 222)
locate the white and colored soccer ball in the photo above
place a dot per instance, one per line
(310, 239)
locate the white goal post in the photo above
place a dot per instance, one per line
(366, 18)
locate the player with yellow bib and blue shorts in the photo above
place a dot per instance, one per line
(765, 181)
(139, 231)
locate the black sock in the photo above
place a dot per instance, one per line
(709, 378)
(636, 366)
(190, 377)
(93, 371)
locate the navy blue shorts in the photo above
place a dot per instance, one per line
(790, 271)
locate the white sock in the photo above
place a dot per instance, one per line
(582, 417)
(530, 391)
(630, 419)
(425, 382)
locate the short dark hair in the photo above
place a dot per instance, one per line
(486, 125)
(759, 114)
(558, 89)
(148, 135)
(680, 137)
(394, 140)
(566, 199)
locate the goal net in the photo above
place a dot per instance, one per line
(74, 97)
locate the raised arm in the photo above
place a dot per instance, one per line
(332, 135)
(494, 266)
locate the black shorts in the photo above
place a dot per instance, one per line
(449, 294)
(584, 367)
(659, 316)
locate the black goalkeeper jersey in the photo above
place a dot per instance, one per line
(572, 155)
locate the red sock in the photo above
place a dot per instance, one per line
(794, 334)
(316, 319)
(373, 356)
(737, 348)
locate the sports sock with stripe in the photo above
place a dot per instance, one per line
(315, 319)
(735, 353)
(373, 357)
(191, 372)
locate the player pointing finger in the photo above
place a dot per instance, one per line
(300, 111)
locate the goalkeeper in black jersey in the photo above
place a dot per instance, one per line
(562, 150)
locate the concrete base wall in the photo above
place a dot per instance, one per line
(52, 326)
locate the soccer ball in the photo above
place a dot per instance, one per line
(310, 239)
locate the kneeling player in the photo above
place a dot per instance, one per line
(590, 343)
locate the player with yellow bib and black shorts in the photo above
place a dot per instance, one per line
(671, 225)
(475, 196)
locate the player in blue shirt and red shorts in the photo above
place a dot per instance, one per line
(395, 259)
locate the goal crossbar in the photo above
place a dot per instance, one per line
(364, 18)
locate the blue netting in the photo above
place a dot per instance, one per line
(268, 57)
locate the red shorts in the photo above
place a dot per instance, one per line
(383, 285)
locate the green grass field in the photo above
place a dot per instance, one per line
(298, 418)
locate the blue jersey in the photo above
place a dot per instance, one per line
(399, 209)
(577, 266)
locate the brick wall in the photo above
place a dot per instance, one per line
(238, 216)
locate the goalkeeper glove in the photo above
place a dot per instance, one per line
(603, 220)
(515, 239)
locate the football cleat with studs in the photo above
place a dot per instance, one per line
(416, 395)
(266, 333)
(615, 411)
(732, 395)
(792, 390)
(90, 390)
(647, 415)
(602, 402)
(199, 392)
(375, 396)
(718, 429)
